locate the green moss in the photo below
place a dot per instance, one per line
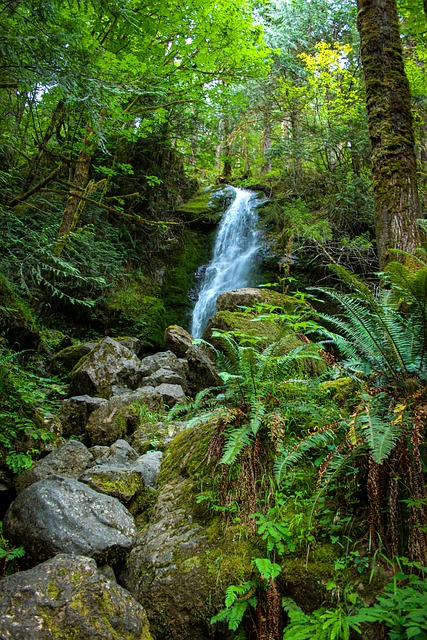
(185, 256)
(241, 323)
(339, 390)
(53, 590)
(122, 486)
(206, 207)
(186, 453)
(69, 358)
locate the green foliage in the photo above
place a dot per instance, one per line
(8, 555)
(22, 395)
(322, 624)
(402, 607)
(238, 599)
(274, 532)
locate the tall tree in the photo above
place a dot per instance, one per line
(397, 205)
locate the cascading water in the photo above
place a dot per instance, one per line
(236, 246)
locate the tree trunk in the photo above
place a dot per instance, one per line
(396, 199)
(74, 202)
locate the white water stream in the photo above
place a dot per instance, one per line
(236, 246)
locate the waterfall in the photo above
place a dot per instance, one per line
(236, 246)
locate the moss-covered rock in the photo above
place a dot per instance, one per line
(186, 255)
(207, 207)
(339, 390)
(67, 598)
(134, 307)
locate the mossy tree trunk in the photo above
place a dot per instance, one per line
(75, 200)
(396, 199)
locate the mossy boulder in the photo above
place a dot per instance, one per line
(255, 297)
(207, 207)
(53, 341)
(107, 366)
(339, 390)
(241, 324)
(67, 598)
(190, 251)
(61, 515)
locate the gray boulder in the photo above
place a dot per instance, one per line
(177, 340)
(69, 460)
(148, 465)
(120, 453)
(62, 515)
(162, 360)
(68, 598)
(122, 474)
(170, 393)
(119, 482)
(166, 376)
(108, 365)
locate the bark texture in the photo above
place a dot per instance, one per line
(396, 199)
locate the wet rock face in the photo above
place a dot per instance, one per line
(109, 364)
(68, 598)
(62, 515)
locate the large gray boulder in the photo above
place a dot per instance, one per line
(110, 364)
(75, 413)
(67, 598)
(171, 393)
(62, 515)
(70, 460)
(165, 376)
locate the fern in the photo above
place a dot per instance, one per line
(289, 459)
(236, 439)
(380, 433)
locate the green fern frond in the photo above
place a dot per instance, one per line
(257, 413)
(289, 459)
(381, 435)
(235, 441)
(352, 280)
